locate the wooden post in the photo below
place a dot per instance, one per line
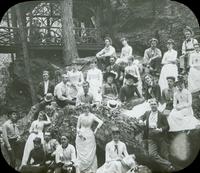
(25, 52)
(69, 48)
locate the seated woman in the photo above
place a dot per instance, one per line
(109, 88)
(181, 117)
(36, 159)
(36, 130)
(117, 158)
(65, 157)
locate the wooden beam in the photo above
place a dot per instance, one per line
(25, 52)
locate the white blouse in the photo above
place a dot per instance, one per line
(169, 57)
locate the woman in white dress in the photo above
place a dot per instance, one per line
(169, 65)
(85, 141)
(36, 130)
(95, 79)
(194, 72)
(181, 117)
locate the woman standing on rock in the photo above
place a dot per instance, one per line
(36, 130)
(85, 141)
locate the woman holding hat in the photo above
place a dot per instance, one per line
(36, 130)
(169, 65)
(85, 141)
(181, 117)
(109, 88)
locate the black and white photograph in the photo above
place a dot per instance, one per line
(99, 86)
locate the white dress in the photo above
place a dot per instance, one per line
(95, 79)
(194, 73)
(36, 126)
(181, 117)
(125, 53)
(169, 68)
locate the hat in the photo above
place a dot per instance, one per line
(112, 104)
(45, 72)
(115, 129)
(111, 73)
(171, 77)
(108, 38)
(65, 75)
(47, 133)
(187, 28)
(129, 76)
(11, 110)
(153, 100)
(48, 97)
(37, 140)
(171, 41)
(153, 39)
(123, 38)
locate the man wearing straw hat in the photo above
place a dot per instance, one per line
(187, 49)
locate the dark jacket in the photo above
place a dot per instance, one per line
(155, 92)
(40, 90)
(161, 123)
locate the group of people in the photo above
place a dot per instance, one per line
(157, 82)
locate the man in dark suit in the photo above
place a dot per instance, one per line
(46, 86)
(156, 128)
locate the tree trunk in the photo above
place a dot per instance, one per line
(25, 51)
(69, 48)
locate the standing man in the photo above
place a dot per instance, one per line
(104, 55)
(11, 137)
(152, 57)
(46, 86)
(156, 128)
(187, 49)
(62, 92)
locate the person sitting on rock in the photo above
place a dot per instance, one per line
(36, 159)
(62, 92)
(66, 157)
(168, 95)
(85, 96)
(127, 92)
(113, 66)
(156, 127)
(50, 146)
(104, 55)
(109, 88)
(44, 87)
(151, 89)
(152, 57)
(117, 158)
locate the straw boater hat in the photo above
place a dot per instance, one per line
(171, 77)
(153, 39)
(115, 129)
(112, 104)
(108, 38)
(187, 28)
(48, 97)
(37, 140)
(111, 73)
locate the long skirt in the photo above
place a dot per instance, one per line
(86, 151)
(96, 94)
(194, 80)
(30, 145)
(167, 70)
(182, 120)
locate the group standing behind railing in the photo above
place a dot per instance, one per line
(163, 106)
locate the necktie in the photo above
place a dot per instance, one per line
(116, 148)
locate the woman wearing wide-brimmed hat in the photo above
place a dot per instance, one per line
(169, 65)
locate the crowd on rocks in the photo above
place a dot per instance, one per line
(157, 84)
